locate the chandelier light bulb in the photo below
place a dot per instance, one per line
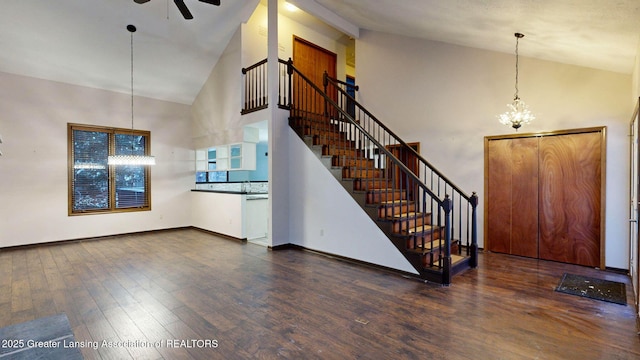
(518, 113)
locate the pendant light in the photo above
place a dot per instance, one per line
(131, 159)
(518, 112)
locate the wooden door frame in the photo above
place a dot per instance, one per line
(603, 176)
(634, 189)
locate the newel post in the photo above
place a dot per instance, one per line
(473, 263)
(446, 261)
(290, 75)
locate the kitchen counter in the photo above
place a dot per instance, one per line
(254, 196)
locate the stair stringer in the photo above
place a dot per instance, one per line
(325, 217)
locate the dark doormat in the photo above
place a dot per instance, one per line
(598, 289)
(45, 338)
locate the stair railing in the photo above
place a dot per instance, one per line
(463, 206)
(255, 90)
(362, 152)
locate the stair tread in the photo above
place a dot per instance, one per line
(422, 228)
(385, 190)
(411, 214)
(396, 202)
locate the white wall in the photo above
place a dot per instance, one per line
(254, 37)
(215, 112)
(448, 97)
(635, 93)
(33, 170)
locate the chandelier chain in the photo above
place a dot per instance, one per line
(132, 82)
(517, 58)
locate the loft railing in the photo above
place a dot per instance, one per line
(255, 90)
(371, 153)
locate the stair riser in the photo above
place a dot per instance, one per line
(341, 143)
(307, 125)
(353, 162)
(325, 133)
(362, 173)
(431, 259)
(415, 241)
(370, 184)
(403, 225)
(332, 150)
(389, 210)
(377, 197)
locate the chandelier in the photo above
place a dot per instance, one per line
(518, 112)
(131, 159)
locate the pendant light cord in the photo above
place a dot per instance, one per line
(131, 83)
(518, 36)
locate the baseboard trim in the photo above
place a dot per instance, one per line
(404, 274)
(224, 236)
(102, 237)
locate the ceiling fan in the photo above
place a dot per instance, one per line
(184, 10)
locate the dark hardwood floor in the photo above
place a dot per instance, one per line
(189, 285)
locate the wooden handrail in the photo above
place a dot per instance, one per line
(402, 142)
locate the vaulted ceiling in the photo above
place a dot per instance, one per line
(85, 42)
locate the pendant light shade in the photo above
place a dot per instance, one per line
(131, 159)
(518, 112)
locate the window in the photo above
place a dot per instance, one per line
(95, 186)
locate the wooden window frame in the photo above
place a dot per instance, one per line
(111, 190)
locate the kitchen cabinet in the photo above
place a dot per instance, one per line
(240, 156)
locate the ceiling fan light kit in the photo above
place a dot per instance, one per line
(182, 7)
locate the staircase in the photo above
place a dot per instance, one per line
(430, 220)
(411, 230)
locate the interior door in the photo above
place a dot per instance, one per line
(313, 61)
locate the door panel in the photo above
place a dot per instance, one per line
(570, 185)
(312, 61)
(498, 218)
(524, 198)
(513, 196)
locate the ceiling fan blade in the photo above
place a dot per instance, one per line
(183, 9)
(140, 1)
(212, 2)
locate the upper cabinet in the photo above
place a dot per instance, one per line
(240, 156)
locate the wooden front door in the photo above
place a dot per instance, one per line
(544, 196)
(312, 61)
